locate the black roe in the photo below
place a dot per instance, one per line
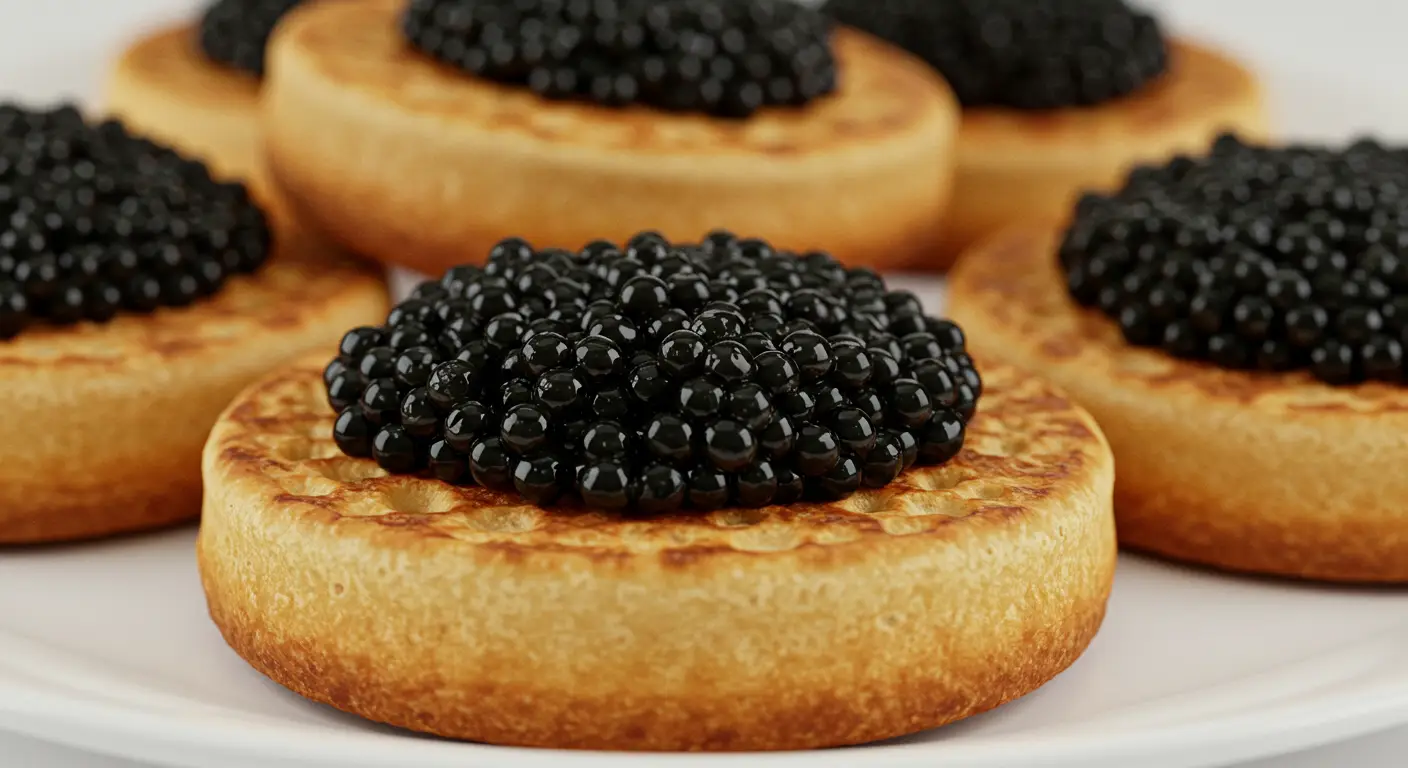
(650, 376)
(722, 57)
(1256, 258)
(95, 220)
(236, 32)
(1024, 54)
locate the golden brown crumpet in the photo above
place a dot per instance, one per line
(418, 164)
(467, 613)
(1020, 166)
(163, 86)
(1271, 473)
(104, 423)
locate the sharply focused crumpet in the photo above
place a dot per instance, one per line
(416, 163)
(1271, 473)
(470, 614)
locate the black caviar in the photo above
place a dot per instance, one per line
(94, 220)
(723, 57)
(1027, 54)
(651, 376)
(236, 32)
(1254, 257)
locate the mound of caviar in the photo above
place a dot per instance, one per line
(652, 376)
(236, 32)
(1256, 258)
(723, 57)
(1026, 54)
(94, 220)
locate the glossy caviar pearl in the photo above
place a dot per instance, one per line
(605, 485)
(395, 450)
(345, 389)
(588, 375)
(379, 402)
(377, 363)
(491, 465)
(352, 433)
(611, 404)
(811, 353)
(910, 404)
(777, 372)
(790, 486)
(670, 439)
(841, 480)
(418, 414)
(757, 485)
(700, 398)
(536, 479)
(465, 424)
(854, 430)
(747, 403)
(729, 445)
(524, 430)
(707, 489)
(884, 462)
(682, 354)
(413, 366)
(817, 450)
(545, 351)
(801, 404)
(515, 392)
(662, 490)
(559, 391)
(449, 383)
(942, 437)
(447, 464)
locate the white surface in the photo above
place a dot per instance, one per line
(115, 653)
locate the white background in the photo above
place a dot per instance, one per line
(1334, 68)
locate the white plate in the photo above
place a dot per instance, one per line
(107, 647)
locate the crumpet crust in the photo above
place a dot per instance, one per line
(104, 422)
(164, 87)
(420, 165)
(1020, 166)
(466, 613)
(1274, 474)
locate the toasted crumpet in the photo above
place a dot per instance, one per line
(104, 423)
(467, 613)
(1031, 165)
(419, 164)
(1270, 473)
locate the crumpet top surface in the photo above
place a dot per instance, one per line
(171, 57)
(1027, 450)
(357, 45)
(1012, 287)
(1202, 89)
(299, 279)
